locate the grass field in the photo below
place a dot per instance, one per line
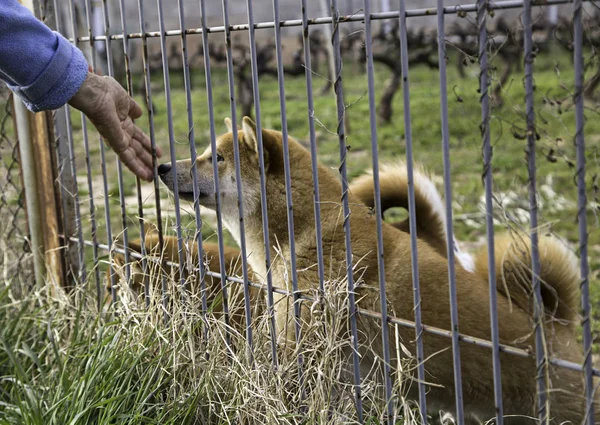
(61, 365)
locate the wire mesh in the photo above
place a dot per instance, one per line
(14, 233)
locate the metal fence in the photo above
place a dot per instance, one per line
(14, 234)
(123, 213)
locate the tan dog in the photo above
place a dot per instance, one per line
(518, 373)
(393, 192)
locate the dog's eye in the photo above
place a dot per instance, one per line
(219, 158)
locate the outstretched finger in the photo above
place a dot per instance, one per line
(142, 154)
(132, 161)
(135, 110)
(139, 168)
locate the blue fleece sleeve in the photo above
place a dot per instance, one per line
(37, 64)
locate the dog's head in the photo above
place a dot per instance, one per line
(225, 160)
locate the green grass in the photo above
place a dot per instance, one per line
(64, 366)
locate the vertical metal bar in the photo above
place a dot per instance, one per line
(80, 246)
(288, 190)
(109, 61)
(108, 225)
(65, 182)
(159, 224)
(581, 211)
(77, 206)
(213, 145)
(94, 227)
(540, 352)
(378, 216)
(313, 147)
(167, 82)
(58, 120)
(482, 6)
(412, 214)
(341, 109)
(89, 181)
(138, 185)
(103, 167)
(238, 178)
(192, 143)
(460, 417)
(193, 156)
(34, 219)
(98, 47)
(26, 146)
(263, 190)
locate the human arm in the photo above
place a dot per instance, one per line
(46, 71)
(37, 64)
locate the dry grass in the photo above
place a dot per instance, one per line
(64, 362)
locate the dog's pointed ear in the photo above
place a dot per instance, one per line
(228, 124)
(251, 140)
(249, 129)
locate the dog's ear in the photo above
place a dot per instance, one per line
(229, 125)
(251, 140)
(249, 129)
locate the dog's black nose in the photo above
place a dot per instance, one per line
(164, 169)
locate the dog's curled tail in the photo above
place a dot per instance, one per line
(559, 275)
(393, 183)
(429, 207)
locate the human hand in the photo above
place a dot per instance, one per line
(112, 111)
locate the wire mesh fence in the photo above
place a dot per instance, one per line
(258, 232)
(14, 234)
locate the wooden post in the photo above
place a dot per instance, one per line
(43, 140)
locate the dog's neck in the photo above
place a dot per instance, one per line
(254, 238)
(303, 213)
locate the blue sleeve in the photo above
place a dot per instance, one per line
(37, 64)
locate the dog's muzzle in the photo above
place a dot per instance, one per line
(163, 169)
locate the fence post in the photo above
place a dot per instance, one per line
(34, 132)
(64, 181)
